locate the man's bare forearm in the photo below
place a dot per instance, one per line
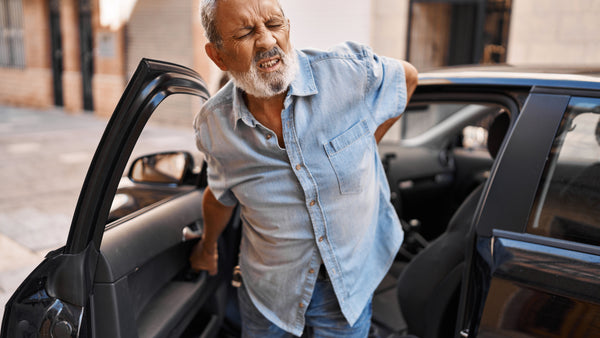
(216, 216)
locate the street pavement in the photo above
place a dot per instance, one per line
(45, 157)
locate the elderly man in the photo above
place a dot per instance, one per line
(293, 140)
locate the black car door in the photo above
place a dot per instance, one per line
(130, 279)
(536, 258)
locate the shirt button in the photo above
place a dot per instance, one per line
(311, 271)
(321, 239)
(269, 136)
(298, 167)
(312, 203)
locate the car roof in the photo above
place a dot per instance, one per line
(558, 77)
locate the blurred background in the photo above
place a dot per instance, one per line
(79, 54)
(65, 63)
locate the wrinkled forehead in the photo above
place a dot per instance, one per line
(236, 12)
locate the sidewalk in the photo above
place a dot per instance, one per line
(45, 157)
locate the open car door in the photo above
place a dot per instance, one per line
(128, 279)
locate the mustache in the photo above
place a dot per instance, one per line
(276, 51)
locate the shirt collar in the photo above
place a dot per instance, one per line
(240, 111)
(302, 85)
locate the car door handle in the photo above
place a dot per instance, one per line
(189, 234)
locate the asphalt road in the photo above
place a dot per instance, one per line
(45, 157)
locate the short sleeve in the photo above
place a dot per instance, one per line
(385, 94)
(215, 171)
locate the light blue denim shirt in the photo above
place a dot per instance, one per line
(324, 198)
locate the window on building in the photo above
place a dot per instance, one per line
(567, 204)
(11, 34)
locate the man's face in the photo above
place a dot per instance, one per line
(256, 50)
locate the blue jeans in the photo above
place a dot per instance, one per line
(323, 317)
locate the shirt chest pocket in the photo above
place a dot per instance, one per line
(351, 155)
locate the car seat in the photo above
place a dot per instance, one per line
(428, 288)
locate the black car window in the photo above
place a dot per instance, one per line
(567, 203)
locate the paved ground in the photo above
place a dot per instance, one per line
(44, 156)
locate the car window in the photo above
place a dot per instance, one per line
(418, 119)
(567, 203)
(474, 137)
(168, 129)
(425, 121)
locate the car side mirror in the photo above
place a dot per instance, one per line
(170, 168)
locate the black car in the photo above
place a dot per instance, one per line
(495, 174)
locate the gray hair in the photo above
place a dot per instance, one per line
(208, 13)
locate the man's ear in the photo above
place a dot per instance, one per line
(213, 54)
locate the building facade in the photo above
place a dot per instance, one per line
(435, 33)
(79, 54)
(60, 53)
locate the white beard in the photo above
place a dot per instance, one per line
(261, 85)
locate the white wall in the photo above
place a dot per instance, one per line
(323, 23)
(389, 27)
(555, 32)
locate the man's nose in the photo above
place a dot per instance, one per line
(265, 40)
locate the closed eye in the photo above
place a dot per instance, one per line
(274, 23)
(245, 33)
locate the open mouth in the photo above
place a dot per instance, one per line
(270, 64)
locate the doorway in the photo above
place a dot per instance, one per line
(457, 32)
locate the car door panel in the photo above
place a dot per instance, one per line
(541, 287)
(130, 244)
(506, 263)
(140, 268)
